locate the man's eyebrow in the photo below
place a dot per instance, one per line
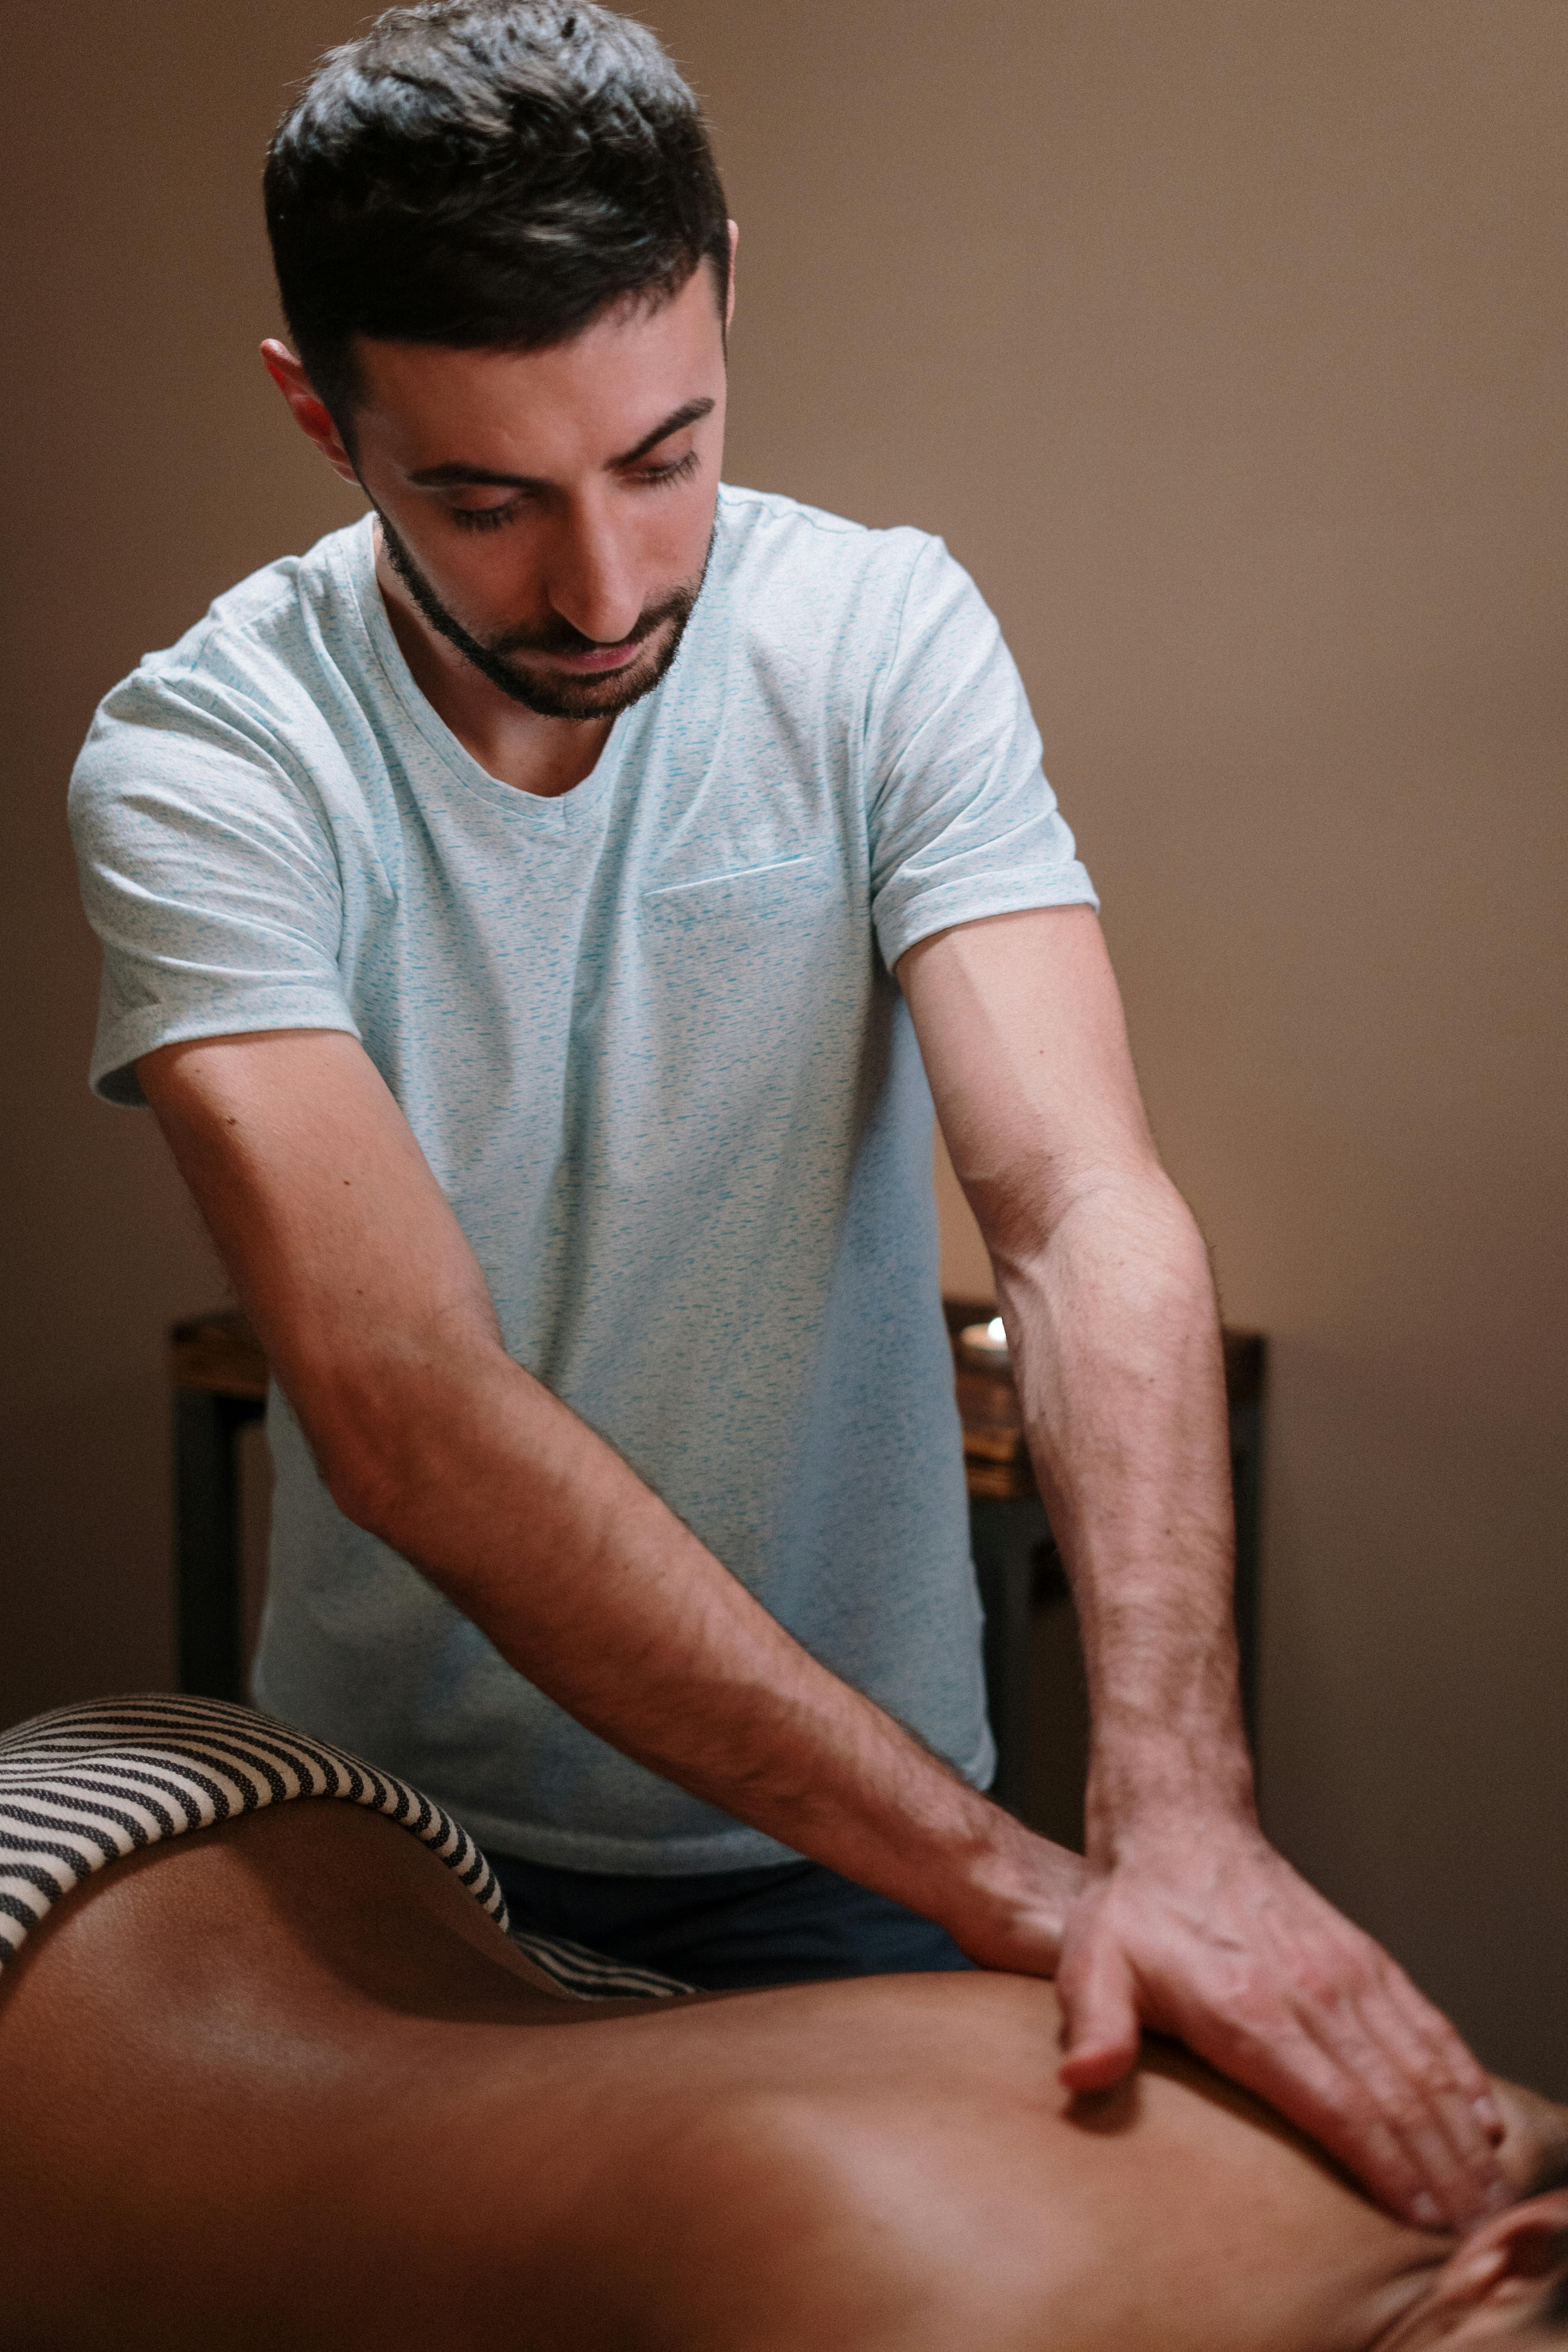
(456, 475)
(691, 412)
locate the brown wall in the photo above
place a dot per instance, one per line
(1224, 342)
(148, 470)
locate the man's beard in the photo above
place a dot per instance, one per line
(556, 694)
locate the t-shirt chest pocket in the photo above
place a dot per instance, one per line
(780, 892)
(737, 971)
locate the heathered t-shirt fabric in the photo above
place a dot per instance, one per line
(647, 1036)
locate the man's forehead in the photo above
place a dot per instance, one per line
(589, 401)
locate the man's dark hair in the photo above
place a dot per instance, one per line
(489, 174)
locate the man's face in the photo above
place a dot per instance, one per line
(549, 513)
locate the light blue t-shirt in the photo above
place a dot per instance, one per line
(647, 1036)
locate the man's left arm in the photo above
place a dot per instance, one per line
(1191, 1922)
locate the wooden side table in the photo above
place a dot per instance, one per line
(219, 1377)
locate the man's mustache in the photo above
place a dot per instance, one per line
(563, 638)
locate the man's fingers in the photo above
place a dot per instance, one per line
(1346, 2048)
(1275, 2052)
(1285, 2064)
(1434, 2094)
(1099, 2016)
(1389, 2088)
(1407, 2059)
(1457, 2067)
(1261, 1977)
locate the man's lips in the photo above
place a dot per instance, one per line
(594, 661)
(600, 658)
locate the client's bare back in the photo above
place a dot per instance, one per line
(283, 2084)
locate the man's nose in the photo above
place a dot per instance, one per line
(594, 580)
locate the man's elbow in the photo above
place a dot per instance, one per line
(365, 1461)
(1133, 1212)
(385, 1443)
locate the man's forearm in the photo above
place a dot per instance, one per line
(378, 1324)
(591, 1587)
(1110, 1308)
(1116, 1341)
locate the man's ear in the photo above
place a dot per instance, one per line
(310, 413)
(1501, 2268)
(734, 227)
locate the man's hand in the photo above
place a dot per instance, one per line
(1210, 1935)
(1189, 1921)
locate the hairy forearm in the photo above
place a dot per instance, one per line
(378, 1326)
(1110, 1312)
(1116, 1340)
(591, 1587)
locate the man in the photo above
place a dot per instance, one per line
(529, 915)
(436, 2147)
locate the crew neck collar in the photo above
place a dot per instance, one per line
(559, 814)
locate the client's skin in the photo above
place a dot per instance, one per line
(282, 2083)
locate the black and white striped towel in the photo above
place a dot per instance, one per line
(88, 1785)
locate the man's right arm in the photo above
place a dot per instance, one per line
(377, 1323)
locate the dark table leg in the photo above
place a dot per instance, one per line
(206, 1540)
(1006, 1537)
(1246, 1482)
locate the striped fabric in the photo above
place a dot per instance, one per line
(88, 1785)
(574, 1970)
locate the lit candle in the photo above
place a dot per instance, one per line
(988, 1339)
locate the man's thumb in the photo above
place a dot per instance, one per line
(1099, 2019)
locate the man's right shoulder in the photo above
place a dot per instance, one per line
(269, 655)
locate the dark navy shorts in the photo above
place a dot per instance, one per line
(785, 1923)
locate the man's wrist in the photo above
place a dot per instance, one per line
(1006, 1897)
(1157, 1793)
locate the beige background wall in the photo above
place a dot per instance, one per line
(1224, 341)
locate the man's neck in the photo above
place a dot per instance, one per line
(544, 757)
